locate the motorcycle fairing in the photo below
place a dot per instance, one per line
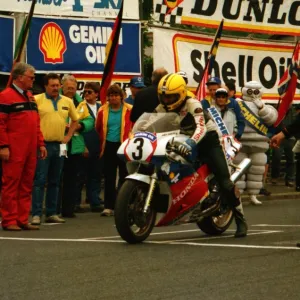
(186, 194)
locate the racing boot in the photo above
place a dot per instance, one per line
(241, 225)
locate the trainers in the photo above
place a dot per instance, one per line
(274, 181)
(107, 213)
(254, 200)
(54, 219)
(36, 220)
(289, 184)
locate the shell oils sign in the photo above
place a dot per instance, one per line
(75, 45)
(52, 43)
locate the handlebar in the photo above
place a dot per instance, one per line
(172, 152)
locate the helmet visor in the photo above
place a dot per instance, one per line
(168, 99)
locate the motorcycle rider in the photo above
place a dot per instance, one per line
(173, 97)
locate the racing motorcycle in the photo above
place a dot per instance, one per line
(164, 188)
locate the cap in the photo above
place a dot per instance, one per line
(137, 82)
(221, 91)
(213, 80)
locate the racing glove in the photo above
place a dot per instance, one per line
(187, 148)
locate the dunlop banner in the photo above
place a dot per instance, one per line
(75, 8)
(78, 46)
(238, 60)
(263, 16)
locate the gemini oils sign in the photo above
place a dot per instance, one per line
(78, 46)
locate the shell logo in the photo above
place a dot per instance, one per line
(52, 43)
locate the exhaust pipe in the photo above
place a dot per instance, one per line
(241, 169)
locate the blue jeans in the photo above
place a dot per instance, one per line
(90, 173)
(47, 170)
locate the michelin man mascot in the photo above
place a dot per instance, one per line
(255, 141)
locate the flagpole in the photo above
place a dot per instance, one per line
(210, 52)
(22, 40)
(111, 51)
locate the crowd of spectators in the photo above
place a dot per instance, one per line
(77, 140)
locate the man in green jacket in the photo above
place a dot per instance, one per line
(71, 181)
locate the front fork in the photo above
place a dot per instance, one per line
(153, 183)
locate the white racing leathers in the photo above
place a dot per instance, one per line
(254, 146)
(194, 107)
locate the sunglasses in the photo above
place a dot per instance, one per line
(89, 92)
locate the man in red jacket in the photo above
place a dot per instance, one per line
(20, 138)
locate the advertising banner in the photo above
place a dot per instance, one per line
(238, 60)
(75, 8)
(121, 80)
(78, 46)
(262, 16)
(7, 38)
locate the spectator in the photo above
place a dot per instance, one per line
(147, 100)
(69, 89)
(135, 85)
(92, 163)
(20, 137)
(113, 126)
(231, 89)
(213, 84)
(71, 191)
(227, 115)
(285, 147)
(54, 110)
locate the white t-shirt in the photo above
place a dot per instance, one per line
(93, 108)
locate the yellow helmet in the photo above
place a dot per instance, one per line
(172, 91)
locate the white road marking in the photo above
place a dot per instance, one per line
(51, 224)
(157, 242)
(165, 232)
(154, 233)
(58, 240)
(219, 237)
(272, 225)
(234, 246)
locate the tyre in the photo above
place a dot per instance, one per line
(217, 224)
(133, 225)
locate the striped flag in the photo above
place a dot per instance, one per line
(22, 38)
(111, 55)
(201, 90)
(287, 85)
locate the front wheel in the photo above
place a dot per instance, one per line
(216, 224)
(133, 225)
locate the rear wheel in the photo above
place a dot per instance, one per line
(217, 224)
(133, 225)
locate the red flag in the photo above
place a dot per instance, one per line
(287, 85)
(111, 55)
(201, 90)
